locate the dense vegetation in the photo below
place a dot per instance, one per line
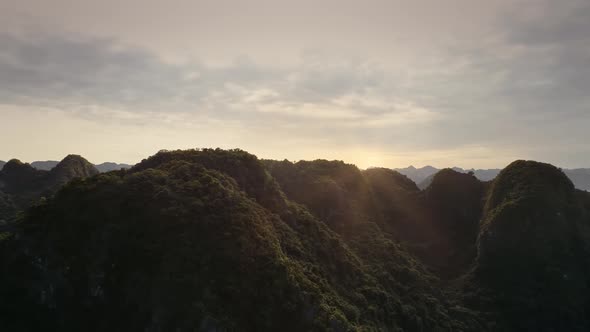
(423, 176)
(217, 240)
(21, 185)
(533, 249)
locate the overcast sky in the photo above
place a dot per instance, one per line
(375, 83)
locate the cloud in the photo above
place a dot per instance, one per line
(516, 88)
(549, 23)
(83, 75)
(521, 85)
(53, 68)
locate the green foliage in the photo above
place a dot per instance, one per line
(23, 185)
(334, 191)
(439, 225)
(217, 240)
(243, 167)
(7, 207)
(71, 167)
(397, 206)
(455, 201)
(533, 249)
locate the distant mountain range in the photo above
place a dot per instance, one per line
(423, 176)
(109, 166)
(50, 164)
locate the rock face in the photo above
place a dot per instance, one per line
(533, 248)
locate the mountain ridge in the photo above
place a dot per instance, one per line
(423, 176)
(188, 239)
(127, 233)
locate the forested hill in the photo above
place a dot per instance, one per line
(218, 240)
(22, 185)
(423, 176)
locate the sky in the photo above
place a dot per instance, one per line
(390, 83)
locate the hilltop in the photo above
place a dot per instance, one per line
(219, 240)
(423, 176)
(21, 184)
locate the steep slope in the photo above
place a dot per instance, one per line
(22, 184)
(455, 201)
(438, 225)
(533, 249)
(398, 207)
(17, 177)
(217, 240)
(2, 164)
(334, 191)
(165, 252)
(22, 178)
(176, 245)
(71, 167)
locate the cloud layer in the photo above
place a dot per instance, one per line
(518, 88)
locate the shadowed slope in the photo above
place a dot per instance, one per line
(207, 240)
(71, 167)
(23, 185)
(455, 201)
(533, 249)
(177, 245)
